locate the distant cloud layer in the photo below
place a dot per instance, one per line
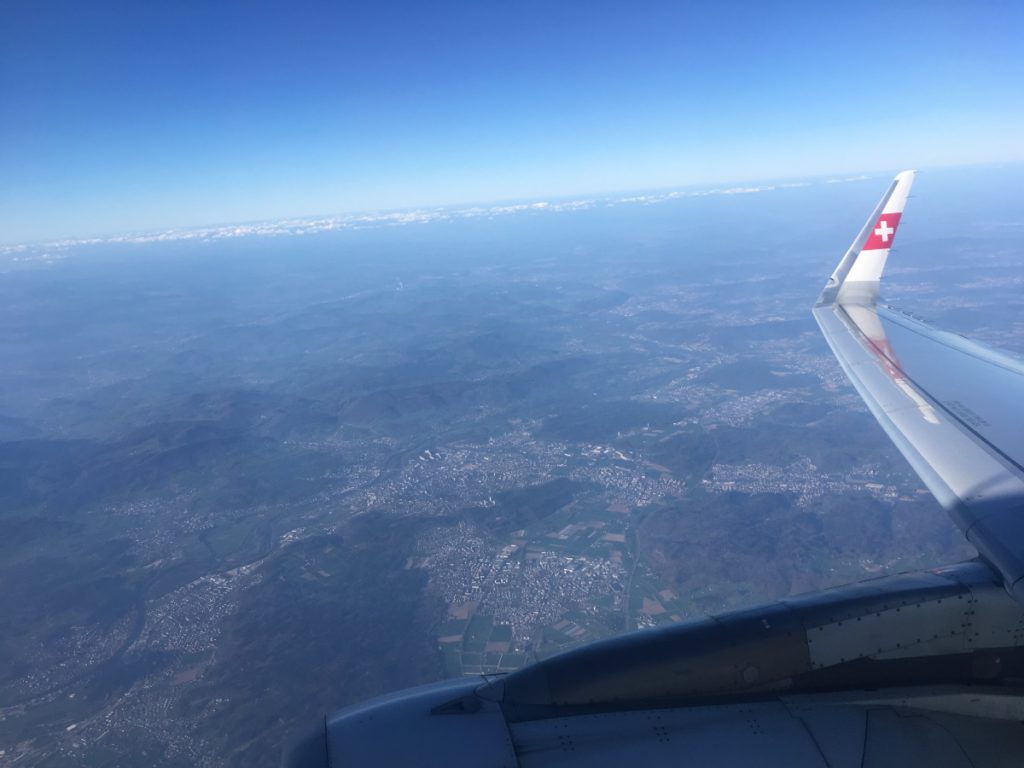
(58, 249)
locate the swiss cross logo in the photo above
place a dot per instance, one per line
(883, 232)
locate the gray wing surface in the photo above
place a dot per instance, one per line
(953, 407)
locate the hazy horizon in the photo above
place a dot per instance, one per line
(132, 117)
(443, 211)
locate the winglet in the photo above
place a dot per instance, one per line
(861, 267)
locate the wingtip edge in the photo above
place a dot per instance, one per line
(857, 276)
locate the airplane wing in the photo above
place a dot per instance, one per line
(951, 406)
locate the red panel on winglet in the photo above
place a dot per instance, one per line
(883, 232)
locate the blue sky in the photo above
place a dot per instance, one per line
(123, 116)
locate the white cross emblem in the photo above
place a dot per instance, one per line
(884, 230)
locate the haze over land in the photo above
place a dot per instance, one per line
(245, 480)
